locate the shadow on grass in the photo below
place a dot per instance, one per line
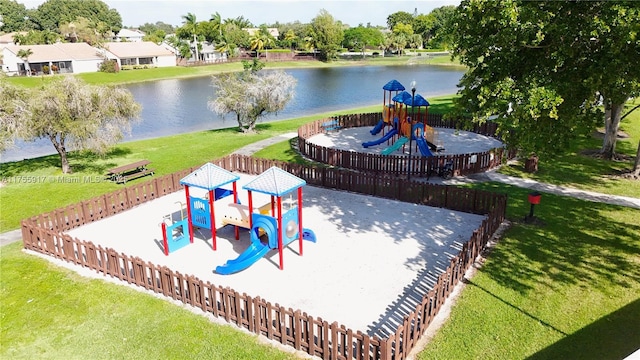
(614, 336)
(80, 161)
(581, 243)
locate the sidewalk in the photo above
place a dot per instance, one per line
(491, 175)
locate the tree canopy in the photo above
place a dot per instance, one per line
(68, 112)
(251, 94)
(53, 13)
(326, 35)
(544, 68)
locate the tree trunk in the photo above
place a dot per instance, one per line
(636, 164)
(612, 115)
(62, 151)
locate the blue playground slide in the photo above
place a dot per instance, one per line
(395, 146)
(246, 259)
(386, 137)
(376, 129)
(424, 148)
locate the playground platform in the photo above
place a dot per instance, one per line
(373, 259)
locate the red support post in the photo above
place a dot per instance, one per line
(250, 210)
(300, 219)
(279, 229)
(235, 201)
(165, 241)
(212, 218)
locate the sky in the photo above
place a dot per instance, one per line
(351, 12)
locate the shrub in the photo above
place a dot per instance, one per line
(45, 69)
(109, 66)
(54, 68)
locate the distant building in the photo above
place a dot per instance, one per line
(132, 35)
(52, 58)
(139, 53)
(7, 39)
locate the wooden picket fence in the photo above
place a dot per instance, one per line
(45, 234)
(420, 166)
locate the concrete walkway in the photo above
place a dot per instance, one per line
(491, 175)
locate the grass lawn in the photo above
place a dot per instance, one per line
(49, 312)
(578, 170)
(569, 289)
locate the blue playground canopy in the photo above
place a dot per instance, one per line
(393, 85)
(403, 97)
(418, 99)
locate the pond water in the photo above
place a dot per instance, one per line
(180, 105)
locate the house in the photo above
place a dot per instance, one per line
(210, 54)
(273, 31)
(143, 53)
(52, 58)
(7, 39)
(132, 35)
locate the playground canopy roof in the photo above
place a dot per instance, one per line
(209, 177)
(393, 85)
(275, 181)
(402, 97)
(419, 101)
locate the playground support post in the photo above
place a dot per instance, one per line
(413, 111)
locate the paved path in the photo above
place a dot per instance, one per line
(492, 175)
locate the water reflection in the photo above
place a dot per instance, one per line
(180, 105)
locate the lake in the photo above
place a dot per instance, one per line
(180, 105)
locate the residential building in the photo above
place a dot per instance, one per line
(132, 35)
(52, 58)
(144, 53)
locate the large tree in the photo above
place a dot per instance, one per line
(358, 38)
(543, 67)
(74, 115)
(251, 94)
(53, 13)
(327, 35)
(399, 17)
(13, 106)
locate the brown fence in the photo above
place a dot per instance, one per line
(328, 340)
(463, 164)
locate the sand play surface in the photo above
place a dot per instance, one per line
(372, 262)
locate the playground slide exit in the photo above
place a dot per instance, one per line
(395, 146)
(424, 148)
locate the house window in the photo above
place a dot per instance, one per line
(128, 61)
(146, 61)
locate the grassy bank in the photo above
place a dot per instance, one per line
(133, 76)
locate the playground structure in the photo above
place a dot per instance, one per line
(200, 210)
(402, 127)
(269, 222)
(269, 232)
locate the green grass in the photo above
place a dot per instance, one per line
(569, 289)
(133, 76)
(579, 170)
(49, 312)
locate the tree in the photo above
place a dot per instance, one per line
(544, 68)
(13, 16)
(74, 115)
(360, 37)
(53, 13)
(191, 25)
(251, 94)
(290, 38)
(24, 55)
(13, 105)
(327, 35)
(261, 39)
(399, 17)
(86, 30)
(149, 28)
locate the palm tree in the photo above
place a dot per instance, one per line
(24, 55)
(191, 24)
(216, 19)
(290, 37)
(260, 40)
